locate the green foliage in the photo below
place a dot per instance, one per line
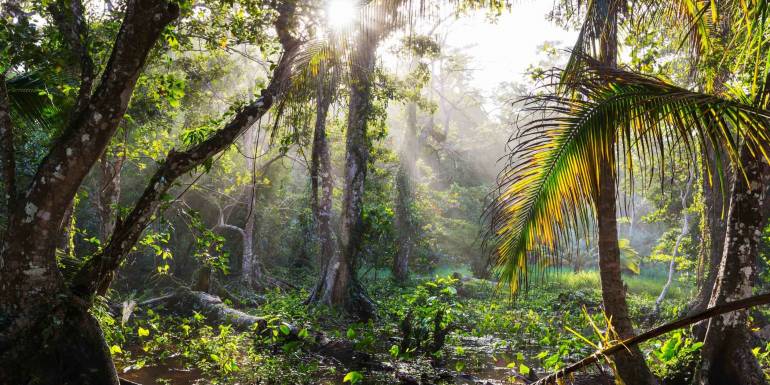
(676, 358)
(431, 310)
(209, 246)
(158, 243)
(353, 377)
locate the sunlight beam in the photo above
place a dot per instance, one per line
(340, 14)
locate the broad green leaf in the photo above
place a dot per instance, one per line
(353, 377)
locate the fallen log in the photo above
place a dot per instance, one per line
(560, 375)
(186, 301)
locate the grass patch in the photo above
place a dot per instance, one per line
(640, 285)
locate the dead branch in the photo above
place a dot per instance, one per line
(745, 303)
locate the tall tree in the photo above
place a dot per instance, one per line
(37, 307)
(33, 293)
(726, 356)
(404, 217)
(630, 365)
(321, 173)
(339, 285)
(715, 194)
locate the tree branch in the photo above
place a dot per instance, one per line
(70, 20)
(35, 219)
(97, 272)
(745, 303)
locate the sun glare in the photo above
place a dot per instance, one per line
(340, 13)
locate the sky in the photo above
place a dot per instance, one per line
(502, 51)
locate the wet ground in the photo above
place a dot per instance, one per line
(480, 361)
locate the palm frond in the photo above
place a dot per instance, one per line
(547, 192)
(29, 102)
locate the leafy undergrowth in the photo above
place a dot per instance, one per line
(439, 330)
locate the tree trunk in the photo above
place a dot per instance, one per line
(630, 365)
(405, 226)
(685, 228)
(46, 334)
(62, 344)
(321, 178)
(712, 244)
(339, 285)
(726, 355)
(715, 190)
(68, 226)
(251, 268)
(108, 196)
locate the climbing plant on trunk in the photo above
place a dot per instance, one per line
(339, 285)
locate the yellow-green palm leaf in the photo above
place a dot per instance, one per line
(546, 193)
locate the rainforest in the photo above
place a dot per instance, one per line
(372, 192)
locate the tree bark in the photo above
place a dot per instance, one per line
(339, 285)
(726, 355)
(405, 221)
(322, 183)
(251, 268)
(712, 246)
(715, 190)
(630, 365)
(321, 177)
(108, 196)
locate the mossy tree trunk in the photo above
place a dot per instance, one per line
(47, 334)
(338, 285)
(321, 175)
(726, 355)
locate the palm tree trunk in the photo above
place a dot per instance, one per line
(405, 226)
(339, 285)
(726, 355)
(630, 365)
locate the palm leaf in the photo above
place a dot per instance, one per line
(29, 102)
(546, 193)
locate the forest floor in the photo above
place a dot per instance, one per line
(489, 338)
